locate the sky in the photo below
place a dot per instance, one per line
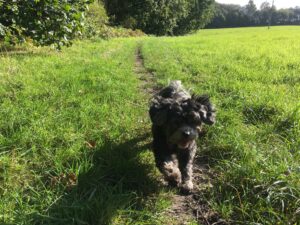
(278, 3)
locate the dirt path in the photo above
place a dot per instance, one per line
(147, 78)
(185, 208)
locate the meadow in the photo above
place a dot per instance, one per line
(75, 134)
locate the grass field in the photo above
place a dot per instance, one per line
(75, 134)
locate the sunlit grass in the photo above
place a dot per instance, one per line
(252, 75)
(75, 134)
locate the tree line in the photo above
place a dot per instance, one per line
(230, 15)
(160, 17)
(57, 22)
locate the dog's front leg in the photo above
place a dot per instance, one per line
(169, 168)
(186, 168)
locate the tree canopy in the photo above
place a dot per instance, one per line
(167, 17)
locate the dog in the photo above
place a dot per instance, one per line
(177, 118)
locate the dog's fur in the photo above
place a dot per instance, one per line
(177, 118)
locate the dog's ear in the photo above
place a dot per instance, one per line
(159, 111)
(206, 109)
(158, 116)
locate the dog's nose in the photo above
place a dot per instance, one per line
(186, 133)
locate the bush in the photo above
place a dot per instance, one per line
(96, 20)
(97, 25)
(46, 22)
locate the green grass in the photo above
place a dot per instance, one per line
(75, 133)
(74, 137)
(253, 77)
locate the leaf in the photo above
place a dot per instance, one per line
(67, 7)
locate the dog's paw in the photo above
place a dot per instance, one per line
(174, 178)
(171, 173)
(187, 187)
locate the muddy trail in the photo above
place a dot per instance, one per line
(184, 208)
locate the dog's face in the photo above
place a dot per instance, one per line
(182, 121)
(182, 128)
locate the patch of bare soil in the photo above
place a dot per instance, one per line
(185, 209)
(188, 209)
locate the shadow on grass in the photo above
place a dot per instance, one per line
(117, 184)
(256, 114)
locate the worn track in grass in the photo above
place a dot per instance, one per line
(148, 82)
(184, 209)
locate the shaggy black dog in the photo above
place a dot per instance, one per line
(177, 118)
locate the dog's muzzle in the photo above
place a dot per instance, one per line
(184, 137)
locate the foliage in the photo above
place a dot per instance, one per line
(44, 21)
(160, 17)
(266, 13)
(229, 15)
(96, 20)
(195, 20)
(97, 26)
(251, 11)
(289, 16)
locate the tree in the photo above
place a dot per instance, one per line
(199, 14)
(266, 11)
(251, 11)
(229, 15)
(46, 22)
(160, 17)
(295, 16)
(283, 16)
